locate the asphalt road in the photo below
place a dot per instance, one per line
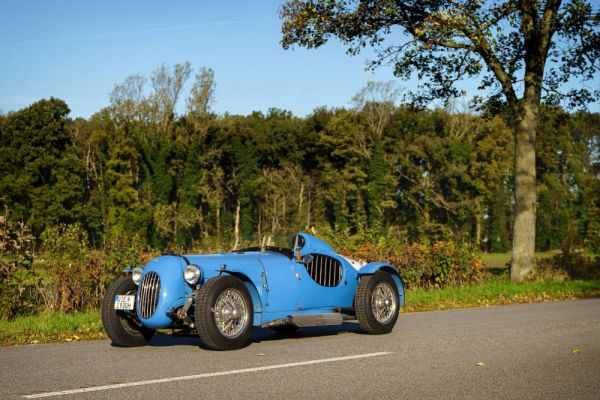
(520, 352)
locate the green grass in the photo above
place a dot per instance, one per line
(495, 291)
(51, 328)
(499, 291)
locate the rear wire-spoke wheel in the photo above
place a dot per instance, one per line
(123, 327)
(376, 303)
(383, 302)
(224, 313)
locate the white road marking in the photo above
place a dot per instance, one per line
(200, 376)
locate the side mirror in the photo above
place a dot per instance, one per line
(307, 259)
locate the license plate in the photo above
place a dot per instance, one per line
(124, 302)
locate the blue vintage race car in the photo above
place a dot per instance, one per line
(222, 296)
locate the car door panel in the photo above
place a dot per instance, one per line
(321, 279)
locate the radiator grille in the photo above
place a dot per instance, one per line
(148, 294)
(324, 270)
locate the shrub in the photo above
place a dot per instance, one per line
(65, 284)
(17, 279)
(75, 278)
(120, 251)
(568, 264)
(422, 265)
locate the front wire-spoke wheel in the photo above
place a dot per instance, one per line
(224, 313)
(231, 313)
(123, 327)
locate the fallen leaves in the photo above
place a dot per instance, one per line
(575, 350)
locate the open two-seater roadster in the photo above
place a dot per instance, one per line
(222, 296)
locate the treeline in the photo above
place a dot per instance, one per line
(378, 169)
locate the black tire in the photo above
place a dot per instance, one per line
(285, 329)
(363, 304)
(122, 327)
(206, 325)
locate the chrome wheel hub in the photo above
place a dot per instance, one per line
(231, 313)
(383, 302)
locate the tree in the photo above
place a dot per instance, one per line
(202, 95)
(167, 83)
(40, 170)
(514, 43)
(344, 171)
(127, 99)
(376, 101)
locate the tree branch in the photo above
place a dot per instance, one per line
(421, 36)
(484, 49)
(548, 25)
(528, 19)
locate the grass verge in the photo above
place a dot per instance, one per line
(51, 328)
(87, 325)
(499, 291)
(499, 260)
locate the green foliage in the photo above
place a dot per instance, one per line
(122, 251)
(432, 174)
(499, 218)
(17, 279)
(66, 242)
(244, 176)
(48, 328)
(436, 265)
(40, 170)
(376, 185)
(569, 264)
(72, 278)
(524, 53)
(97, 193)
(65, 283)
(568, 166)
(446, 41)
(498, 292)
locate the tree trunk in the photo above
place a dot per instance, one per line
(523, 243)
(259, 225)
(308, 205)
(478, 215)
(236, 229)
(218, 223)
(478, 231)
(300, 202)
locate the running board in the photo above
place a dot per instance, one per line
(301, 320)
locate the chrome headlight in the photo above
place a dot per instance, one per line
(192, 274)
(136, 275)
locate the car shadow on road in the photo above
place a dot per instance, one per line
(257, 336)
(166, 339)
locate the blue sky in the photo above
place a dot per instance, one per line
(78, 50)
